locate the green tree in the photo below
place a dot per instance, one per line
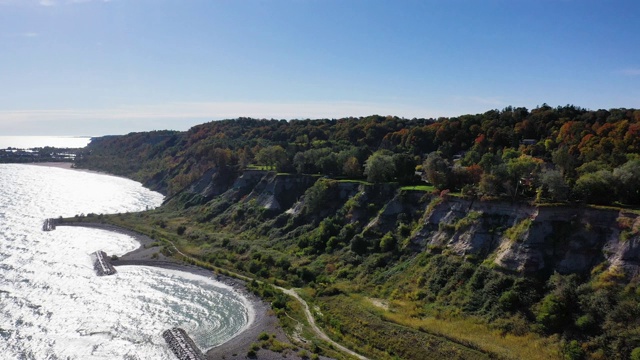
(328, 164)
(351, 167)
(488, 161)
(521, 171)
(555, 311)
(358, 244)
(274, 157)
(316, 197)
(592, 166)
(388, 242)
(490, 185)
(437, 170)
(628, 178)
(596, 188)
(299, 163)
(552, 314)
(405, 167)
(564, 161)
(379, 167)
(554, 185)
(573, 351)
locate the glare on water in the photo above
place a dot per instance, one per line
(53, 306)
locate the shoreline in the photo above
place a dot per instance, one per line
(66, 166)
(236, 347)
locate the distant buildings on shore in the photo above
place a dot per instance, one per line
(14, 155)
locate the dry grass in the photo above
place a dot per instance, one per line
(471, 331)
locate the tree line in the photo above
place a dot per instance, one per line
(556, 154)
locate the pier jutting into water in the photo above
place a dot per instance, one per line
(181, 344)
(102, 264)
(49, 225)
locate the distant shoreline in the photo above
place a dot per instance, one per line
(66, 166)
(24, 142)
(60, 165)
(69, 166)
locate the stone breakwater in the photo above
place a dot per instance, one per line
(102, 264)
(49, 225)
(181, 344)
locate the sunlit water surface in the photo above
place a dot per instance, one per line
(52, 304)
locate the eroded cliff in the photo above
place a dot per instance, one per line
(514, 236)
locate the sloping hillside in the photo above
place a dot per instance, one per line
(500, 254)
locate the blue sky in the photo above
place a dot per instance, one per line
(96, 67)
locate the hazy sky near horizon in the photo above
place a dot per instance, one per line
(97, 67)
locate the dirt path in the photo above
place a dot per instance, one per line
(314, 327)
(291, 292)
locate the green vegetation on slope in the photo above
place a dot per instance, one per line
(564, 153)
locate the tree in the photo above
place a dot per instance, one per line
(388, 242)
(555, 185)
(328, 164)
(351, 167)
(358, 244)
(564, 161)
(628, 178)
(281, 159)
(520, 171)
(596, 188)
(592, 166)
(490, 185)
(489, 161)
(316, 197)
(437, 171)
(405, 167)
(274, 157)
(299, 163)
(379, 167)
(554, 312)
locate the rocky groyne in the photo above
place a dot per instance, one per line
(102, 264)
(49, 225)
(181, 344)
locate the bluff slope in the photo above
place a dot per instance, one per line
(513, 236)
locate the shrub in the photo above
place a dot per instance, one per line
(573, 351)
(516, 232)
(358, 244)
(388, 242)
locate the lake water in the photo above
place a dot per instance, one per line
(29, 142)
(52, 304)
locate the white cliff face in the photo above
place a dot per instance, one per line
(625, 253)
(528, 239)
(514, 236)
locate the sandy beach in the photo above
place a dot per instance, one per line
(61, 165)
(67, 166)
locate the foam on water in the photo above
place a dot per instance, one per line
(53, 306)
